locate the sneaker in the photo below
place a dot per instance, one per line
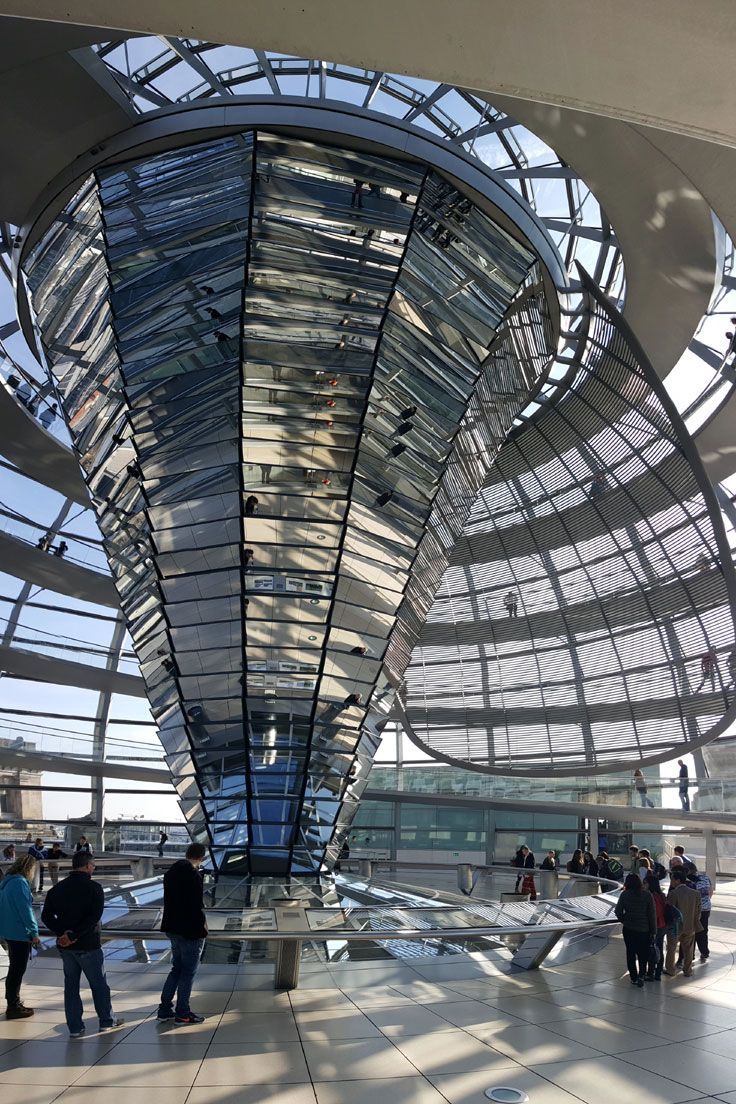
(670, 973)
(77, 1034)
(117, 1022)
(18, 1012)
(162, 1017)
(704, 958)
(640, 984)
(189, 1018)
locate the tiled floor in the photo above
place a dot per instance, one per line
(419, 1032)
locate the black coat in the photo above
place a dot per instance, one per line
(184, 902)
(526, 863)
(75, 905)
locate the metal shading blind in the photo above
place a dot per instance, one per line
(293, 425)
(600, 520)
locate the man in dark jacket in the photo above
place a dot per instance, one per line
(185, 924)
(72, 910)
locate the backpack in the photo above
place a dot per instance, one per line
(615, 869)
(673, 920)
(659, 871)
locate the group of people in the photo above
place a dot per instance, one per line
(683, 789)
(582, 862)
(72, 911)
(649, 917)
(45, 543)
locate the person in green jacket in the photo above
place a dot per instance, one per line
(19, 929)
(635, 909)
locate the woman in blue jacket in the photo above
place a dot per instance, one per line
(19, 929)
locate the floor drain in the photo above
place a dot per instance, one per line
(505, 1095)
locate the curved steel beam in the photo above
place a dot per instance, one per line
(23, 561)
(64, 672)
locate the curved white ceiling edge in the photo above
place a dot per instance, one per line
(665, 64)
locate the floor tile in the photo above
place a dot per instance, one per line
(611, 1038)
(29, 1093)
(408, 1021)
(51, 1062)
(688, 1065)
(151, 1032)
(380, 996)
(142, 1066)
(608, 1080)
(532, 1046)
(674, 1029)
(451, 1052)
(340, 1023)
(356, 1060)
(469, 1088)
(116, 1094)
(255, 1001)
(317, 1000)
(427, 993)
(387, 1090)
(253, 1064)
(475, 1014)
(720, 1042)
(252, 1094)
(257, 1027)
(533, 1010)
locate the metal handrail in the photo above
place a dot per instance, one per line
(349, 934)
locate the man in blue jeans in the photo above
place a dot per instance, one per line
(185, 924)
(72, 910)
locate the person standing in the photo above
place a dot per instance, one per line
(684, 786)
(72, 911)
(524, 861)
(634, 859)
(185, 924)
(549, 862)
(684, 860)
(162, 841)
(656, 959)
(700, 882)
(54, 855)
(635, 909)
(83, 846)
(19, 929)
(576, 864)
(38, 852)
(511, 602)
(640, 786)
(687, 901)
(590, 865)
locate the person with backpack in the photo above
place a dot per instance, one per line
(700, 882)
(656, 957)
(609, 867)
(635, 909)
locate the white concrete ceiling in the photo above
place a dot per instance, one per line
(666, 63)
